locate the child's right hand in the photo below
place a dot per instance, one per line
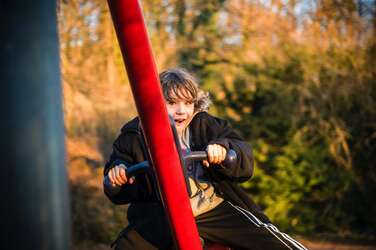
(118, 177)
(216, 154)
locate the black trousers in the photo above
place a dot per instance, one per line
(226, 224)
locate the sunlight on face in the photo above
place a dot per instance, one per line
(181, 110)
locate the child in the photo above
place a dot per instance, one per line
(223, 211)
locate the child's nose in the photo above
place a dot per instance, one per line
(180, 108)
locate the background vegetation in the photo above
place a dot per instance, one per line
(296, 78)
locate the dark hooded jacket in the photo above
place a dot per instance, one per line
(205, 129)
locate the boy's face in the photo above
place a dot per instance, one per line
(182, 110)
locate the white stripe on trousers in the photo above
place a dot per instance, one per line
(270, 227)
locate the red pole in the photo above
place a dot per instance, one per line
(142, 73)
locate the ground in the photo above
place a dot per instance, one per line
(311, 245)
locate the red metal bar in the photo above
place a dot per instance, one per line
(142, 73)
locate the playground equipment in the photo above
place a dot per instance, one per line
(142, 73)
(33, 189)
(142, 167)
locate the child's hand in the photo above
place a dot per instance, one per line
(117, 175)
(216, 154)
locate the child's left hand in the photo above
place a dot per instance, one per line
(216, 154)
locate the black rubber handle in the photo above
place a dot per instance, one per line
(137, 168)
(196, 156)
(131, 171)
(141, 167)
(230, 159)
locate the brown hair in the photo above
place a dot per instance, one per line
(178, 82)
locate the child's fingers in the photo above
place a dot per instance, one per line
(118, 180)
(123, 176)
(223, 153)
(210, 151)
(220, 154)
(118, 175)
(216, 154)
(205, 163)
(111, 176)
(131, 180)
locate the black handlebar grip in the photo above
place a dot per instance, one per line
(131, 171)
(231, 157)
(229, 161)
(196, 156)
(137, 169)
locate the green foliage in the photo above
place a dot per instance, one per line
(304, 119)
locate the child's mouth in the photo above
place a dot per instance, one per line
(179, 121)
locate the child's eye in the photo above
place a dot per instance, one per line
(171, 103)
(188, 102)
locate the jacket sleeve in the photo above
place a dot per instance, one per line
(127, 148)
(227, 137)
